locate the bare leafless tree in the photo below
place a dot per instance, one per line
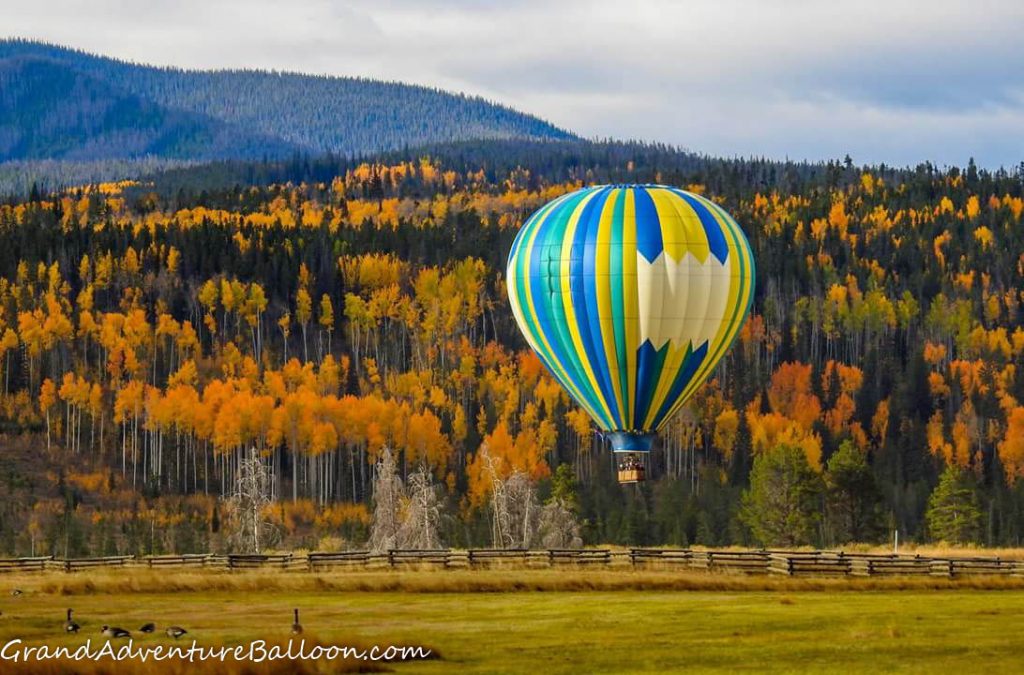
(388, 494)
(252, 492)
(424, 510)
(514, 507)
(558, 526)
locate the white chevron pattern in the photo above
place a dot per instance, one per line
(681, 301)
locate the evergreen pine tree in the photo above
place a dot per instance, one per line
(781, 508)
(953, 514)
(853, 503)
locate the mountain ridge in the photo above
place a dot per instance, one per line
(100, 121)
(253, 113)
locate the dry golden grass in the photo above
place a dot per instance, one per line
(128, 581)
(940, 551)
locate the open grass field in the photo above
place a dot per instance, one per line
(516, 621)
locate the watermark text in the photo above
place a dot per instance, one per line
(257, 651)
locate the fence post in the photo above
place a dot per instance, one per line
(942, 568)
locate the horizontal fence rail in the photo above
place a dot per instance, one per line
(775, 562)
(24, 564)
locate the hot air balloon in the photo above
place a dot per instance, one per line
(630, 295)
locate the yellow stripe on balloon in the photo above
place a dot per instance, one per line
(603, 281)
(630, 301)
(744, 287)
(681, 229)
(739, 295)
(675, 245)
(665, 379)
(672, 207)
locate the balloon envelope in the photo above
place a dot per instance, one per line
(630, 294)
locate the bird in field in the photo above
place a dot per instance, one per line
(147, 628)
(296, 627)
(175, 632)
(69, 625)
(115, 632)
(16, 592)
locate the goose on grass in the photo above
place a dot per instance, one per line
(175, 632)
(115, 632)
(70, 626)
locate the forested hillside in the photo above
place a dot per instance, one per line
(152, 333)
(59, 103)
(51, 110)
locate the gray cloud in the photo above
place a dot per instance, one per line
(883, 80)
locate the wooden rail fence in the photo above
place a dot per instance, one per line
(24, 564)
(787, 563)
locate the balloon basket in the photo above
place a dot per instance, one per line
(630, 476)
(631, 469)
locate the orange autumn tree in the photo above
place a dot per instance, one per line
(790, 394)
(846, 380)
(770, 430)
(426, 443)
(1011, 448)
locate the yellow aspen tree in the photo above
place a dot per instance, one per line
(327, 318)
(303, 313)
(47, 397)
(285, 326)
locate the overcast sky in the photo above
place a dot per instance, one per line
(886, 81)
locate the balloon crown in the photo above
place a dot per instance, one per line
(633, 186)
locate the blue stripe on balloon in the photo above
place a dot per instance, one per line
(683, 377)
(581, 273)
(591, 329)
(649, 363)
(550, 249)
(716, 238)
(648, 227)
